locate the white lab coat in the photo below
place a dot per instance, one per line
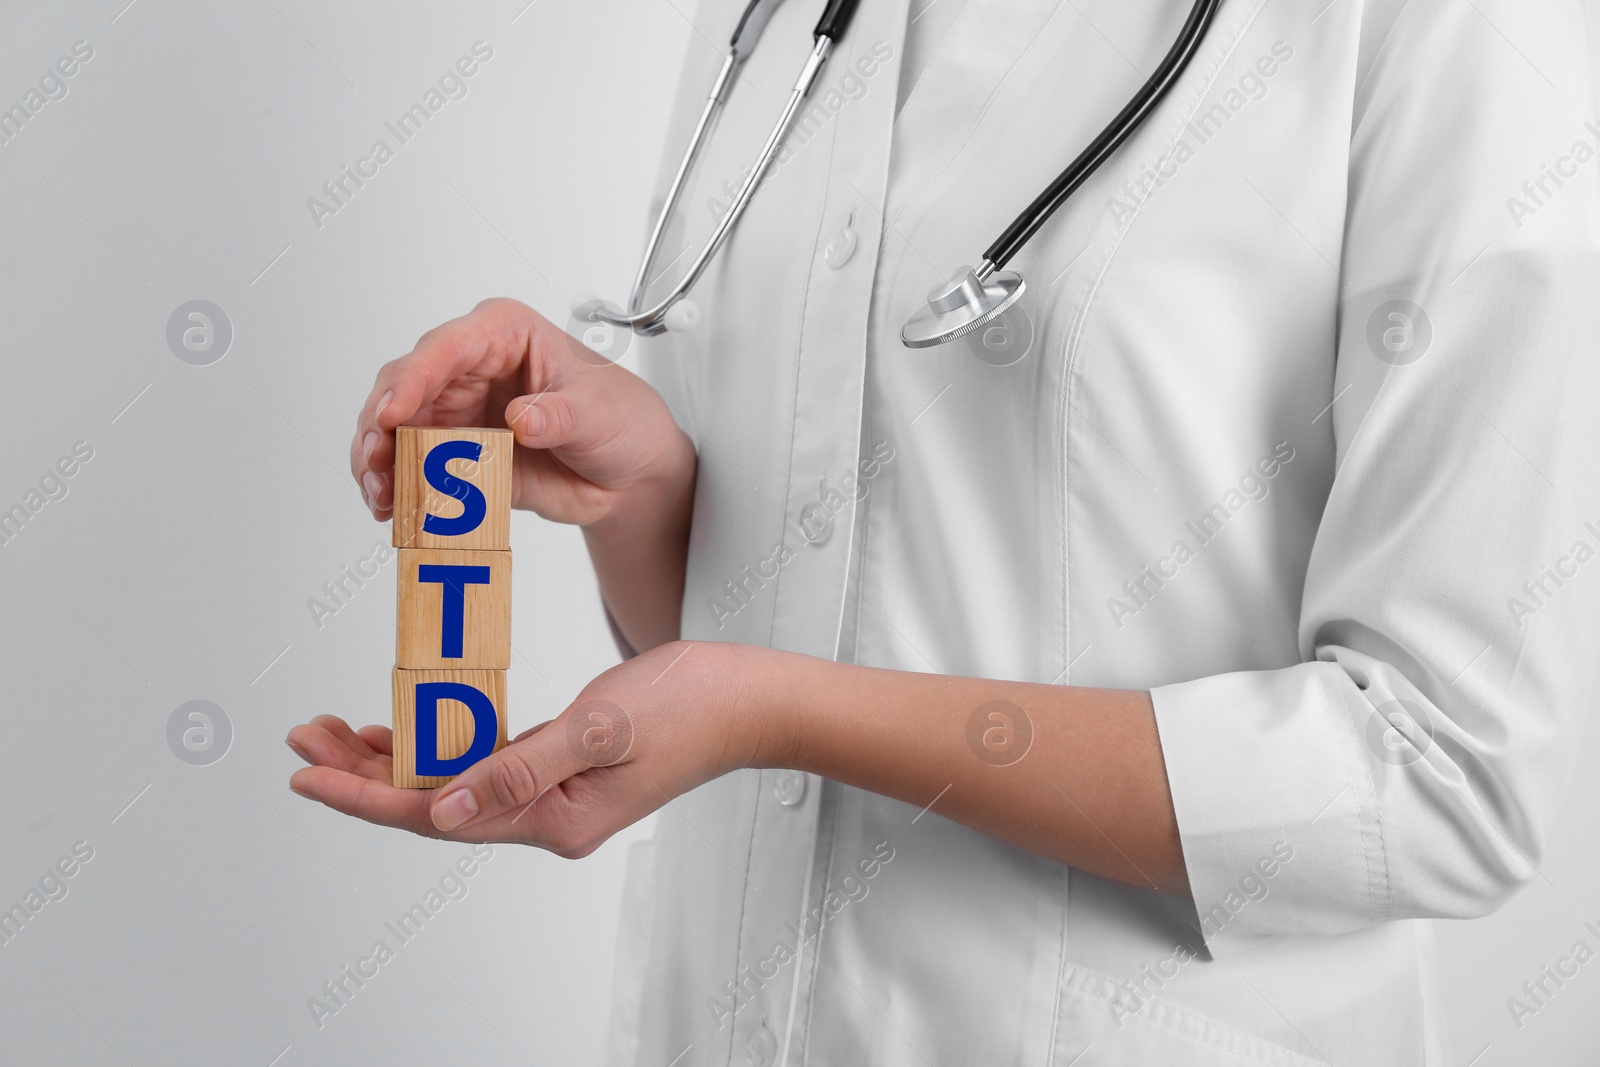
(1225, 473)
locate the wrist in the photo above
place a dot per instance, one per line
(770, 704)
(663, 493)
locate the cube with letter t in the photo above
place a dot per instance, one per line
(452, 525)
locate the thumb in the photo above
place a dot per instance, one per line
(507, 781)
(543, 420)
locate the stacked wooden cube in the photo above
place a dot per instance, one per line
(452, 525)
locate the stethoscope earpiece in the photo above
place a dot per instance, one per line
(683, 316)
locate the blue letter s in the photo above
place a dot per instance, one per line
(473, 506)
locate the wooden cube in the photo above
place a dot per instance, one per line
(452, 488)
(454, 610)
(457, 708)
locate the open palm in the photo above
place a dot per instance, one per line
(639, 735)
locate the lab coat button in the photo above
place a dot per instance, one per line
(789, 787)
(761, 1046)
(815, 523)
(840, 248)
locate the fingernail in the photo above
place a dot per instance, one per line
(532, 420)
(371, 483)
(383, 402)
(297, 750)
(457, 808)
(368, 443)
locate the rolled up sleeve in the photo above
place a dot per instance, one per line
(1450, 618)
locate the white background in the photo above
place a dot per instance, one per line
(180, 563)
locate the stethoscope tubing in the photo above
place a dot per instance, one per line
(834, 22)
(1109, 139)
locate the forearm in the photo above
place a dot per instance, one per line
(640, 553)
(1088, 789)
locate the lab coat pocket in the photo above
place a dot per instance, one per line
(633, 949)
(1099, 1027)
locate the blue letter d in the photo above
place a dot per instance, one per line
(485, 727)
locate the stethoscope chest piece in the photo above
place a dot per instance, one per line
(961, 305)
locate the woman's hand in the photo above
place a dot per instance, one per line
(588, 432)
(638, 736)
(595, 446)
(1072, 774)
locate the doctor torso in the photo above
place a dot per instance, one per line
(1136, 500)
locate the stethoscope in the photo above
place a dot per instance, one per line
(970, 298)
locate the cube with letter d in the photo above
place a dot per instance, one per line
(452, 524)
(444, 722)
